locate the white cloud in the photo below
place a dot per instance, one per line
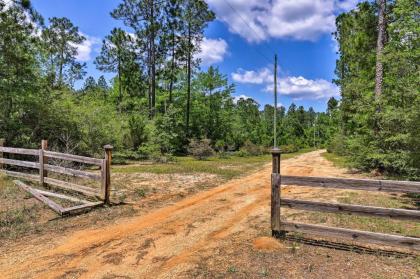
(242, 96)
(295, 87)
(299, 88)
(259, 20)
(212, 51)
(254, 77)
(85, 49)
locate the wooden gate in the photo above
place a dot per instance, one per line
(42, 156)
(280, 228)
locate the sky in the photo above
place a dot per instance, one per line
(241, 42)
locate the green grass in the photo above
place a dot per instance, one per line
(225, 167)
(337, 160)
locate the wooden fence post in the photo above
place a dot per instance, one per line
(42, 161)
(1, 153)
(275, 194)
(106, 184)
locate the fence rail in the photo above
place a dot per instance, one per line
(280, 227)
(44, 167)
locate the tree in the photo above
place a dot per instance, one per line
(146, 21)
(20, 86)
(379, 48)
(195, 18)
(90, 84)
(60, 42)
(173, 25)
(332, 105)
(116, 54)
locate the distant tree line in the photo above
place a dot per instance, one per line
(157, 104)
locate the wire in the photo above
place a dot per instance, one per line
(252, 29)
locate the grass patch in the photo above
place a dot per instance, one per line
(141, 192)
(337, 160)
(226, 167)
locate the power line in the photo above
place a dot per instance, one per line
(252, 29)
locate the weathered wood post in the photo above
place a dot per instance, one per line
(1, 153)
(275, 194)
(42, 161)
(106, 185)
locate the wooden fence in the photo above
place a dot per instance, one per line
(280, 228)
(43, 155)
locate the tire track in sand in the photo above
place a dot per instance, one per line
(163, 243)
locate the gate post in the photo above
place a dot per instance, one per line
(275, 194)
(107, 174)
(1, 153)
(42, 161)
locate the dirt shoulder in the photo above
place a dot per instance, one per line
(218, 233)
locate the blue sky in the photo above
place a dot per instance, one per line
(241, 42)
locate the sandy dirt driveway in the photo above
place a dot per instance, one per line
(168, 242)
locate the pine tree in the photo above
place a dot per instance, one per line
(116, 54)
(195, 18)
(60, 40)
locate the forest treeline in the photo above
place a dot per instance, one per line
(378, 72)
(160, 102)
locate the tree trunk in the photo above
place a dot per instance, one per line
(153, 62)
(119, 86)
(60, 73)
(379, 49)
(171, 82)
(187, 123)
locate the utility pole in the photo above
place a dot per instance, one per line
(275, 101)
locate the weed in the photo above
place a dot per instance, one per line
(232, 269)
(264, 272)
(141, 192)
(295, 247)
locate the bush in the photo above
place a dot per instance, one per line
(337, 145)
(289, 148)
(251, 149)
(149, 151)
(200, 149)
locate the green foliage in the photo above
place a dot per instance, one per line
(156, 106)
(384, 139)
(251, 149)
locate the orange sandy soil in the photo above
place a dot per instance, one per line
(218, 233)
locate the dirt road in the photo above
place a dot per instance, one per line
(168, 242)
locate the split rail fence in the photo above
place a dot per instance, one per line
(280, 228)
(43, 155)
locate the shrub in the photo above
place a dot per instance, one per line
(200, 149)
(251, 149)
(289, 148)
(337, 145)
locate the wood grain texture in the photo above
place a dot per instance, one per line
(21, 151)
(74, 158)
(275, 202)
(353, 184)
(57, 208)
(73, 172)
(19, 163)
(61, 196)
(412, 243)
(78, 208)
(372, 211)
(71, 187)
